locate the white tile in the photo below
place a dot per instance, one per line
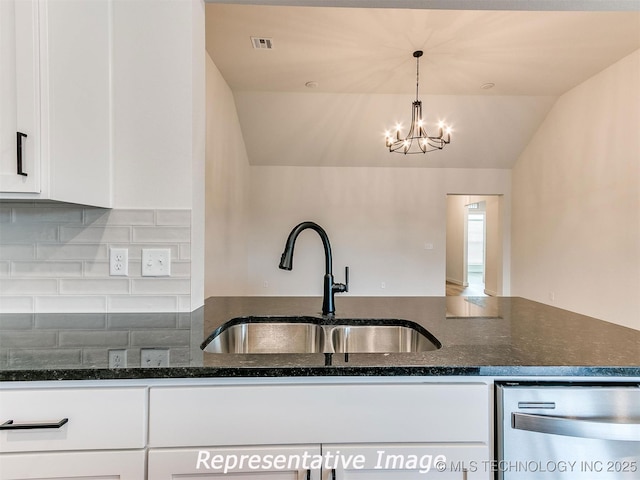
(161, 234)
(185, 251)
(180, 269)
(61, 321)
(95, 234)
(17, 252)
(140, 303)
(135, 249)
(173, 217)
(135, 268)
(48, 215)
(24, 204)
(13, 286)
(5, 214)
(184, 303)
(4, 269)
(108, 286)
(118, 217)
(72, 251)
(27, 339)
(71, 304)
(160, 286)
(98, 269)
(46, 269)
(16, 304)
(25, 233)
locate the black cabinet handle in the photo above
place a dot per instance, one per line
(9, 425)
(309, 474)
(19, 136)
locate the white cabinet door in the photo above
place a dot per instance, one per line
(55, 90)
(19, 97)
(243, 463)
(447, 461)
(113, 465)
(76, 91)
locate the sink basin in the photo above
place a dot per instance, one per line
(267, 335)
(380, 339)
(319, 335)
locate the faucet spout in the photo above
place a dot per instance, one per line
(329, 287)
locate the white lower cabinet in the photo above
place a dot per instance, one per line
(246, 430)
(103, 465)
(402, 431)
(73, 433)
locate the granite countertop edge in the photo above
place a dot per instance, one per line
(282, 372)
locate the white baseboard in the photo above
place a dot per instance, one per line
(457, 282)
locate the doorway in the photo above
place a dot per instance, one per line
(474, 245)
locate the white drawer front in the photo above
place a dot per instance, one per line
(98, 418)
(286, 414)
(114, 465)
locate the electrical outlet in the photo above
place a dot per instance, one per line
(119, 261)
(118, 358)
(154, 357)
(156, 262)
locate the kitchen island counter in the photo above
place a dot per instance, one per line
(480, 336)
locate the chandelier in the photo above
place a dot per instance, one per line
(418, 140)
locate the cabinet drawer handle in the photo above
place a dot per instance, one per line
(9, 425)
(309, 474)
(333, 474)
(19, 136)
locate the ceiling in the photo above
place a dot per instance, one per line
(361, 60)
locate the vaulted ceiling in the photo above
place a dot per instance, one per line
(361, 62)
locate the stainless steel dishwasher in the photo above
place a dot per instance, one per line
(552, 431)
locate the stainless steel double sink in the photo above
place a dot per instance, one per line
(247, 335)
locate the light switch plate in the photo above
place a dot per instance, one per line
(156, 262)
(154, 357)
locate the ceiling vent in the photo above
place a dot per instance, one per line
(262, 43)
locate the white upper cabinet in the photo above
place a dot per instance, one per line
(19, 97)
(58, 93)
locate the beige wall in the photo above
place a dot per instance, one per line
(378, 221)
(227, 192)
(576, 202)
(495, 246)
(456, 261)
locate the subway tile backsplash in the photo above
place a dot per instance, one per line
(54, 340)
(55, 258)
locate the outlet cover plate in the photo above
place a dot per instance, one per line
(118, 358)
(118, 261)
(156, 262)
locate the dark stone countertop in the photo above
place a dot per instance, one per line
(486, 336)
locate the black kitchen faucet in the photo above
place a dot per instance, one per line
(330, 288)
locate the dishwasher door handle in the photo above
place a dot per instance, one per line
(598, 428)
